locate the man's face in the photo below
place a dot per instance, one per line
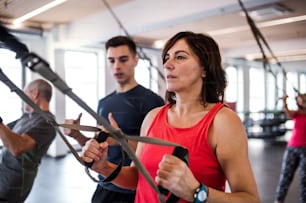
(26, 107)
(121, 63)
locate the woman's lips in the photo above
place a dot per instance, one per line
(169, 77)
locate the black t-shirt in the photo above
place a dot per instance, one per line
(128, 109)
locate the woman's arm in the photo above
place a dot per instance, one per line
(228, 137)
(288, 112)
(97, 152)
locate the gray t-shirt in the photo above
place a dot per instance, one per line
(17, 174)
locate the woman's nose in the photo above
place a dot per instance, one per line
(168, 63)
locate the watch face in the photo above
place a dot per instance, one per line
(202, 196)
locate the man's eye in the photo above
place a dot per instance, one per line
(123, 60)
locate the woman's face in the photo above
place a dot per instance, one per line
(182, 68)
(301, 101)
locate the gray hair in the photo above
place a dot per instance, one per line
(43, 87)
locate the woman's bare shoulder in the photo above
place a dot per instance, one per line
(151, 114)
(227, 115)
(227, 125)
(149, 118)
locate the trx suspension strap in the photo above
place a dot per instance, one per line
(120, 137)
(259, 37)
(45, 115)
(37, 64)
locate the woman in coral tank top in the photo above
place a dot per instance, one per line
(196, 118)
(295, 153)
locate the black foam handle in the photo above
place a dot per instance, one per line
(181, 153)
(102, 136)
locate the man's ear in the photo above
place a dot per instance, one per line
(136, 60)
(35, 93)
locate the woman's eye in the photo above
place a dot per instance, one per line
(180, 57)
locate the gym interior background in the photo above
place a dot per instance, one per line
(70, 36)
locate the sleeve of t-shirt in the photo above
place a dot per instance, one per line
(43, 133)
(154, 101)
(12, 124)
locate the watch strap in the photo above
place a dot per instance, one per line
(201, 194)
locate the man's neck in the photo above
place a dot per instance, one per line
(43, 106)
(126, 87)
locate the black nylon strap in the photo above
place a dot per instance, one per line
(37, 64)
(102, 136)
(80, 127)
(178, 151)
(119, 136)
(50, 119)
(124, 137)
(172, 199)
(114, 174)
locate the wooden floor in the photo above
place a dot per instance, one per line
(63, 180)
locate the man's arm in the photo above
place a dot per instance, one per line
(77, 135)
(16, 144)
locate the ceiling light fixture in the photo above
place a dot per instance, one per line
(37, 11)
(294, 55)
(266, 12)
(260, 25)
(158, 44)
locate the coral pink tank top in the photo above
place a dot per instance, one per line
(202, 160)
(298, 138)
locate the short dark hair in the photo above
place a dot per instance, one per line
(207, 51)
(120, 41)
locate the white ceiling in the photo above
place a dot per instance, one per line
(91, 22)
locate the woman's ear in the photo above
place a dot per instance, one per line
(203, 74)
